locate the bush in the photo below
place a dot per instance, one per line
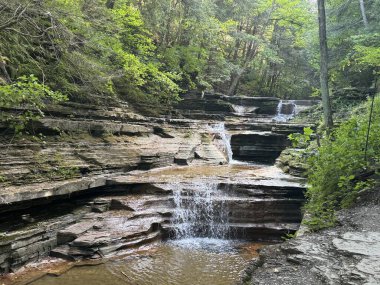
(335, 171)
(301, 140)
(82, 48)
(26, 93)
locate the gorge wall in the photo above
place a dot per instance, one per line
(88, 189)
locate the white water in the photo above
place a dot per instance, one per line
(197, 212)
(283, 118)
(243, 110)
(220, 129)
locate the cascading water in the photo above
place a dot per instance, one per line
(220, 129)
(241, 110)
(283, 117)
(200, 211)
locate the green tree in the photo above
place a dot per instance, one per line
(26, 98)
(324, 65)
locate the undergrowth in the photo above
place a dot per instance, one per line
(339, 169)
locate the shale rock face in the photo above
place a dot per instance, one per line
(95, 141)
(260, 147)
(82, 147)
(218, 106)
(73, 194)
(126, 211)
(347, 254)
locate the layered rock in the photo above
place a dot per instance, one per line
(240, 211)
(114, 142)
(258, 146)
(73, 192)
(117, 213)
(346, 254)
(218, 106)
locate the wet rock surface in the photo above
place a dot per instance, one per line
(293, 161)
(346, 254)
(260, 204)
(86, 227)
(218, 106)
(89, 188)
(260, 147)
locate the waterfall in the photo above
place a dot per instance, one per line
(220, 129)
(282, 116)
(200, 211)
(279, 107)
(240, 110)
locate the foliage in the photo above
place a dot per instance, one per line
(89, 49)
(236, 47)
(288, 236)
(148, 52)
(334, 172)
(301, 140)
(343, 102)
(354, 45)
(31, 96)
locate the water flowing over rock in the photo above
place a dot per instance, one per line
(196, 212)
(109, 181)
(346, 254)
(286, 110)
(221, 131)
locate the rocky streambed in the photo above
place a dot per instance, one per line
(346, 254)
(105, 182)
(244, 202)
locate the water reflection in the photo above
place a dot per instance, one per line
(195, 261)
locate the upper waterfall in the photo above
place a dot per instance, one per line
(286, 110)
(220, 129)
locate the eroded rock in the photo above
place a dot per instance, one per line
(346, 254)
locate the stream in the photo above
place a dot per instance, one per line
(207, 245)
(179, 225)
(193, 261)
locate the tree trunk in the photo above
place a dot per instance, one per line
(234, 83)
(364, 16)
(110, 4)
(238, 43)
(324, 65)
(3, 69)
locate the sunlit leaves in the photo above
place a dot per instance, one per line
(26, 93)
(334, 168)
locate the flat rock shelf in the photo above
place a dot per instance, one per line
(119, 186)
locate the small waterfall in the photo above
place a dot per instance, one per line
(220, 129)
(199, 211)
(286, 110)
(242, 111)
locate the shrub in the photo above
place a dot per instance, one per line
(26, 93)
(301, 140)
(335, 171)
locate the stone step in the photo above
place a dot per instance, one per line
(258, 147)
(185, 154)
(242, 200)
(251, 231)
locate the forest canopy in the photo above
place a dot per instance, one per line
(152, 51)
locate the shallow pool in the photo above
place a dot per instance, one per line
(194, 261)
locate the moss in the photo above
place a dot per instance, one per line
(205, 138)
(294, 161)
